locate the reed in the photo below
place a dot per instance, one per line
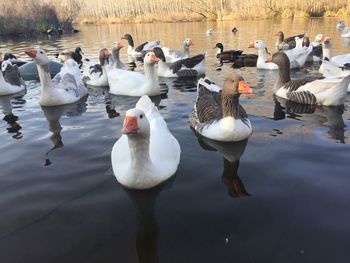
(36, 15)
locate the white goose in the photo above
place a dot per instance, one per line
(10, 79)
(96, 74)
(308, 90)
(129, 83)
(217, 113)
(173, 55)
(147, 153)
(66, 87)
(330, 70)
(262, 62)
(189, 67)
(339, 60)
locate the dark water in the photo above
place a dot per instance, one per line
(281, 196)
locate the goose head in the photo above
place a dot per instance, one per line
(319, 38)
(235, 85)
(281, 60)
(219, 47)
(280, 36)
(188, 42)
(104, 55)
(150, 58)
(306, 41)
(258, 44)
(64, 56)
(135, 123)
(6, 65)
(38, 55)
(159, 53)
(128, 38)
(118, 45)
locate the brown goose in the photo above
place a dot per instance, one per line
(313, 90)
(286, 43)
(217, 113)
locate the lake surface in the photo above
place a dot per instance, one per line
(281, 196)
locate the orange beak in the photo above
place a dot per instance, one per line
(130, 125)
(31, 52)
(154, 58)
(268, 60)
(251, 45)
(243, 87)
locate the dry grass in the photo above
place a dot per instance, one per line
(30, 15)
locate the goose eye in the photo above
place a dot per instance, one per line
(41, 52)
(141, 116)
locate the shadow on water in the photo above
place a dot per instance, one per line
(53, 115)
(147, 233)
(7, 103)
(330, 117)
(232, 153)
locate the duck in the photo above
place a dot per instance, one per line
(13, 59)
(227, 55)
(262, 62)
(340, 24)
(130, 83)
(96, 74)
(65, 88)
(234, 30)
(140, 50)
(173, 55)
(188, 67)
(146, 154)
(312, 90)
(286, 43)
(339, 60)
(217, 114)
(11, 81)
(76, 55)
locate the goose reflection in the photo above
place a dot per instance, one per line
(53, 115)
(232, 152)
(330, 116)
(12, 120)
(147, 230)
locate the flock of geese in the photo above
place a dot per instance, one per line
(147, 153)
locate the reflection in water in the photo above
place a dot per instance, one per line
(53, 115)
(148, 231)
(181, 84)
(327, 116)
(9, 117)
(232, 152)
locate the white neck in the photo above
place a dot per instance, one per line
(186, 50)
(2, 80)
(163, 66)
(139, 151)
(262, 55)
(151, 78)
(130, 50)
(327, 52)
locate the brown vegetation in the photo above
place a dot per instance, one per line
(37, 15)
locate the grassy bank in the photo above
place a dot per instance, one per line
(28, 16)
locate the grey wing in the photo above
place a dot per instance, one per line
(295, 84)
(140, 47)
(304, 97)
(188, 63)
(242, 114)
(68, 82)
(13, 76)
(208, 106)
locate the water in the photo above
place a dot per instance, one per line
(60, 202)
